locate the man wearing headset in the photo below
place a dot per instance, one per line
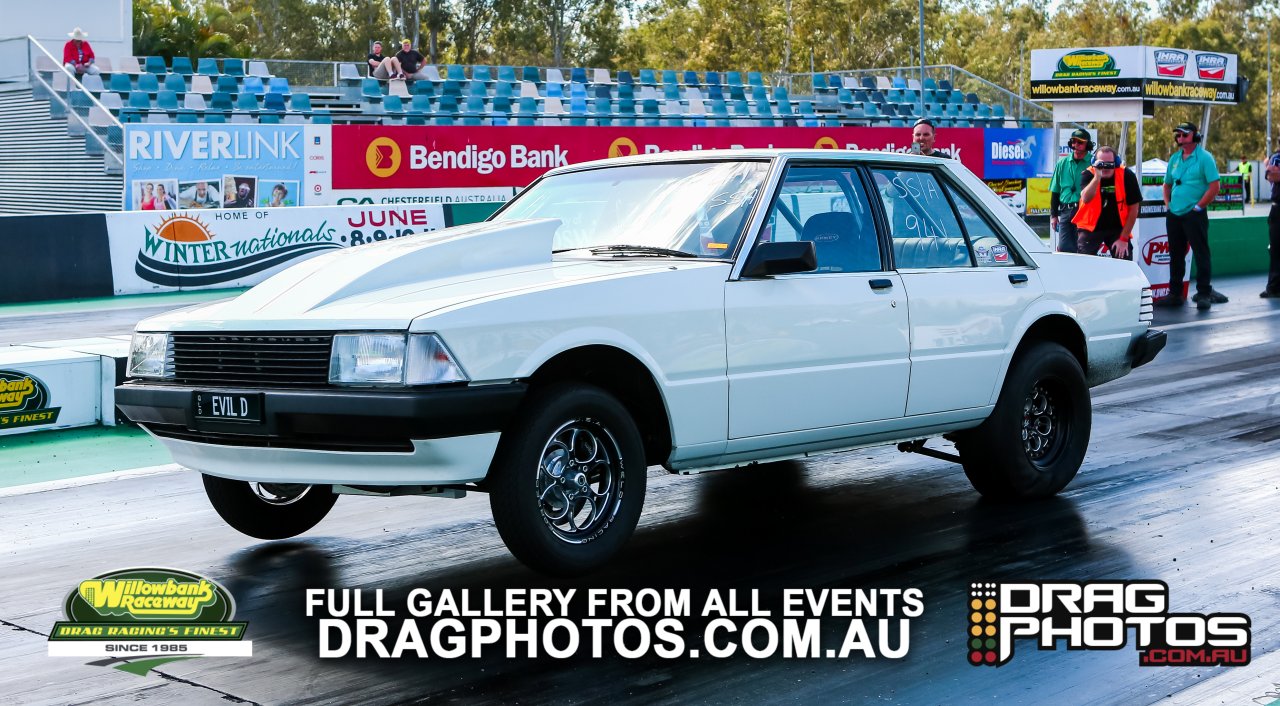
(1064, 189)
(1190, 185)
(1109, 198)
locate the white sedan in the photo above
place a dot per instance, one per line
(696, 311)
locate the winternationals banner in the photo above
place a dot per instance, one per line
(411, 157)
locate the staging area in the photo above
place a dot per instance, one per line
(1176, 487)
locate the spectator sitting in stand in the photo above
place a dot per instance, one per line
(77, 55)
(375, 59)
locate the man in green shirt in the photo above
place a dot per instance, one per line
(1190, 185)
(1064, 189)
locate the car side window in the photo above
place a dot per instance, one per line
(924, 227)
(989, 248)
(827, 206)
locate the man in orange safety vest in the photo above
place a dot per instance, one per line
(1108, 207)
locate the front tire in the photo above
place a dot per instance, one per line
(568, 482)
(1035, 440)
(269, 510)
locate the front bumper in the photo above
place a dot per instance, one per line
(347, 436)
(1145, 347)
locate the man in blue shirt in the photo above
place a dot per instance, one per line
(1190, 185)
(1272, 175)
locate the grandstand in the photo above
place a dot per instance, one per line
(231, 90)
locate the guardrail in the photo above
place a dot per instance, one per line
(85, 115)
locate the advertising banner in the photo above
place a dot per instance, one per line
(1151, 238)
(398, 158)
(1156, 73)
(1012, 191)
(47, 389)
(1038, 200)
(195, 250)
(1017, 153)
(203, 166)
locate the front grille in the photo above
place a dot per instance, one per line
(1145, 309)
(252, 359)
(309, 442)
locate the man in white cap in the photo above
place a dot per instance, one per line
(77, 55)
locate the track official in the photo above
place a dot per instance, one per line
(1064, 189)
(1272, 175)
(1190, 185)
(1109, 198)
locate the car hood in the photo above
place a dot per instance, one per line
(388, 285)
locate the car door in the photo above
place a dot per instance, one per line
(967, 287)
(820, 349)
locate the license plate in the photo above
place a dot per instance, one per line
(229, 406)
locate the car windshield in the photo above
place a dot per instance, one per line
(696, 208)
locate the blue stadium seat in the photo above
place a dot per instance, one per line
(754, 78)
(578, 75)
(670, 91)
(578, 90)
(148, 83)
(530, 73)
(626, 91)
(167, 101)
(253, 84)
(501, 105)
(220, 101)
(415, 117)
(392, 104)
(780, 93)
(713, 78)
(930, 84)
(602, 90)
(647, 78)
(214, 118)
(422, 88)
(447, 104)
(186, 115)
(227, 84)
(741, 109)
(669, 77)
(175, 83)
(371, 89)
(182, 65)
(273, 101)
(715, 92)
(269, 118)
(503, 89)
(984, 110)
(481, 73)
(861, 96)
(246, 102)
(944, 85)
(139, 101)
(420, 104)
(844, 97)
(120, 83)
(451, 88)
(555, 90)
(477, 88)
(971, 98)
(208, 67)
(759, 93)
(899, 82)
(155, 65)
(624, 78)
(733, 78)
(527, 111)
(893, 95)
(300, 103)
(321, 117)
(691, 79)
(997, 111)
(278, 84)
(454, 72)
(507, 74)
(233, 67)
(820, 82)
(868, 82)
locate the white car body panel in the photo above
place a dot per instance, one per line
(748, 370)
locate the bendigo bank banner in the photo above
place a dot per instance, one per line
(410, 157)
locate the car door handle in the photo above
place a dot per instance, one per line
(881, 283)
(1018, 278)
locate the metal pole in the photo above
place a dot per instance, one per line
(922, 58)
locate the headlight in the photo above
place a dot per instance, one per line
(392, 359)
(149, 356)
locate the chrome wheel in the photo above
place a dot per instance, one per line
(280, 493)
(580, 480)
(1043, 424)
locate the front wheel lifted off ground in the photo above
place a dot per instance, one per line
(1034, 442)
(269, 510)
(568, 482)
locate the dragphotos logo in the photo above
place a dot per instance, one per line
(1101, 615)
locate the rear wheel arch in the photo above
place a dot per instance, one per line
(1060, 329)
(622, 375)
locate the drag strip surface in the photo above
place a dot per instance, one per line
(1179, 485)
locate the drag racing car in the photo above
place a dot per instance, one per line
(695, 311)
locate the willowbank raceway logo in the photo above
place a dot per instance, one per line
(24, 401)
(1098, 615)
(1087, 63)
(182, 250)
(138, 619)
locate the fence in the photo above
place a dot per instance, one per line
(85, 115)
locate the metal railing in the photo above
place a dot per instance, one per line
(67, 97)
(320, 74)
(1016, 107)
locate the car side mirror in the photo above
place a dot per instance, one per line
(781, 258)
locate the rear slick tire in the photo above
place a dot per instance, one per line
(1035, 440)
(568, 481)
(269, 510)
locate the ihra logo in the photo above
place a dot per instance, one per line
(1170, 63)
(1212, 67)
(1099, 615)
(1156, 251)
(24, 401)
(1086, 63)
(142, 618)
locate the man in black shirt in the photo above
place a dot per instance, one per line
(1108, 207)
(409, 59)
(922, 139)
(1272, 175)
(375, 58)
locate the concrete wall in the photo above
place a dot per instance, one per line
(108, 22)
